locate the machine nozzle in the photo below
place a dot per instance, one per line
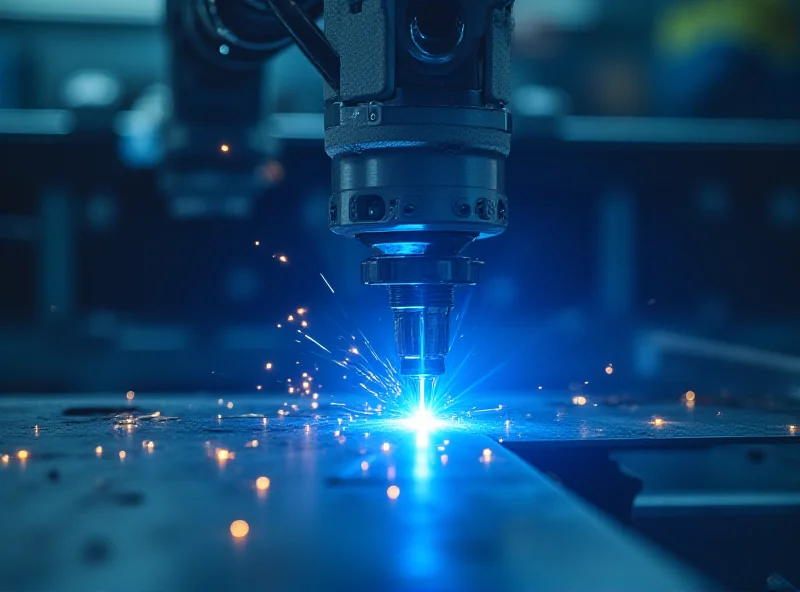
(422, 326)
(421, 295)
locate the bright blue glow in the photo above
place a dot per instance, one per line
(422, 465)
(421, 422)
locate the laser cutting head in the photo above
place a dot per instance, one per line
(421, 294)
(419, 132)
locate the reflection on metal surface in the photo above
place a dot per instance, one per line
(717, 500)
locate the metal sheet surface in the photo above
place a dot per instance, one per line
(637, 425)
(78, 518)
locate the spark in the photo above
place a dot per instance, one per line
(262, 483)
(268, 366)
(290, 318)
(5, 459)
(302, 311)
(658, 421)
(792, 429)
(223, 454)
(257, 243)
(239, 528)
(487, 454)
(385, 447)
(98, 451)
(690, 395)
(122, 455)
(579, 400)
(230, 405)
(281, 258)
(252, 444)
(22, 455)
(130, 395)
(327, 283)
(364, 465)
(609, 369)
(314, 341)
(393, 492)
(220, 402)
(224, 148)
(314, 405)
(304, 323)
(258, 388)
(444, 459)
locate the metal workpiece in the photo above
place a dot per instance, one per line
(200, 497)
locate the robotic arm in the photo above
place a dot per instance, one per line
(416, 125)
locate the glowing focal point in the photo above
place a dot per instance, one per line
(423, 421)
(420, 415)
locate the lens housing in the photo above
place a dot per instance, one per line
(436, 28)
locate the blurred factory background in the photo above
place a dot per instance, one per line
(654, 184)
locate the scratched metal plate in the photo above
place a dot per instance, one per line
(78, 518)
